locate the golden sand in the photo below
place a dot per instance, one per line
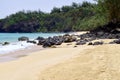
(29, 67)
(100, 63)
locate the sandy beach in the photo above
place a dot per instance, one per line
(65, 62)
(29, 67)
(60, 40)
(99, 63)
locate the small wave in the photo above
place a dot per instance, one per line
(14, 46)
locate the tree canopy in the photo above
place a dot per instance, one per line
(76, 17)
(111, 8)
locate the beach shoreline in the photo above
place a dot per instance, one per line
(14, 55)
(29, 67)
(15, 50)
(38, 63)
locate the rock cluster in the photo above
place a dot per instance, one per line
(56, 40)
(108, 31)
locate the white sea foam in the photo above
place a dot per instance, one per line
(14, 46)
(13, 37)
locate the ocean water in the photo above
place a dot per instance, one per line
(18, 45)
(13, 37)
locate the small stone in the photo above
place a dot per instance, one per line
(5, 43)
(90, 43)
(98, 43)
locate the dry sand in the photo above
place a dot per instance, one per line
(30, 67)
(99, 63)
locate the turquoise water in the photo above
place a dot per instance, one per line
(13, 37)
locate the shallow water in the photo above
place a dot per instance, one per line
(18, 45)
(13, 37)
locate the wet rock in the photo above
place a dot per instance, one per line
(23, 38)
(41, 40)
(5, 43)
(34, 42)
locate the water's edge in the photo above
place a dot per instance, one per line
(20, 45)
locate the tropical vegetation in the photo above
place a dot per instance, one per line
(76, 17)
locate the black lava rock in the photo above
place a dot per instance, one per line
(69, 38)
(81, 42)
(40, 38)
(34, 42)
(98, 43)
(90, 43)
(116, 41)
(23, 38)
(5, 43)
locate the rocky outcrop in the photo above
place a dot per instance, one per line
(69, 38)
(56, 40)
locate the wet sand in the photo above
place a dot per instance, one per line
(19, 53)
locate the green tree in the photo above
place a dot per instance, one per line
(112, 8)
(56, 10)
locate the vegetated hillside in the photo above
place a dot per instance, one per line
(76, 17)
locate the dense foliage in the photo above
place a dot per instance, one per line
(111, 8)
(77, 17)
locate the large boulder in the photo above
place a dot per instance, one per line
(41, 40)
(58, 40)
(69, 38)
(47, 43)
(81, 42)
(23, 38)
(90, 43)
